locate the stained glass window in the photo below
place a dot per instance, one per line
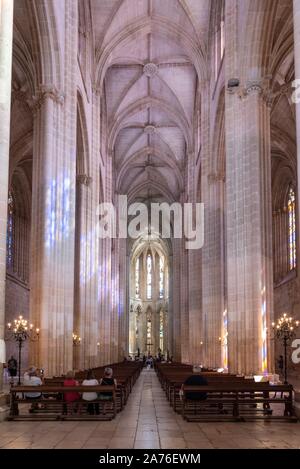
(137, 278)
(223, 30)
(219, 40)
(149, 277)
(292, 229)
(10, 230)
(161, 330)
(149, 333)
(161, 276)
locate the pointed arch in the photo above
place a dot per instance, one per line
(46, 50)
(83, 153)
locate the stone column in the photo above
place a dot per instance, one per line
(184, 295)
(175, 320)
(297, 77)
(249, 230)
(53, 209)
(213, 263)
(170, 312)
(123, 300)
(194, 271)
(6, 35)
(249, 208)
(86, 266)
(115, 290)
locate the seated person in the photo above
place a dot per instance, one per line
(31, 379)
(107, 380)
(26, 374)
(196, 380)
(91, 396)
(73, 396)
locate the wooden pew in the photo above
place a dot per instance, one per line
(175, 386)
(172, 377)
(238, 401)
(52, 406)
(125, 373)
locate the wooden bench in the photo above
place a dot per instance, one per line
(174, 387)
(52, 406)
(238, 401)
(125, 373)
(171, 378)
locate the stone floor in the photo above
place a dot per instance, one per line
(148, 422)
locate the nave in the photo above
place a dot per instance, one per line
(149, 106)
(147, 422)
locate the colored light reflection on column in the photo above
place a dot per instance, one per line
(264, 332)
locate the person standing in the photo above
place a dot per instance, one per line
(12, 366)
(281, 365)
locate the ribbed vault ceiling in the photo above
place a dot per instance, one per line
(152, 49)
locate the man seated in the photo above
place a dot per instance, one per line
(195, 380)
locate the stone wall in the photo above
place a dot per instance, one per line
(287, 300)
(16, 303)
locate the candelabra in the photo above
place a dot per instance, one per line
(284, 330)
(20, 331)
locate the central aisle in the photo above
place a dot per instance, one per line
(148, 422)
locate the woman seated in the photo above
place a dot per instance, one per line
(70, 397)
(107, 380)
(91, 396)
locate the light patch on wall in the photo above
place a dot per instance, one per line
(264, 331)
(59, 225)
(225, 340)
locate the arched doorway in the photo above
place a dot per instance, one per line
(149, 298)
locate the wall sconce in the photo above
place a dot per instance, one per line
(76, 340)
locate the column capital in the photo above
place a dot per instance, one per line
(47, 92)
(84, 179)
(259, 87)
(96, 89)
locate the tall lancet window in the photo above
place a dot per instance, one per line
(161, 276)
(223, 31)
(149, 277)
(137, 278)
(149, 334)
(219, 39)
(292, 229)
(10, 231)
(161, 330)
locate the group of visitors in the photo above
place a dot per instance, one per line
(73, 400)
(93, 407)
